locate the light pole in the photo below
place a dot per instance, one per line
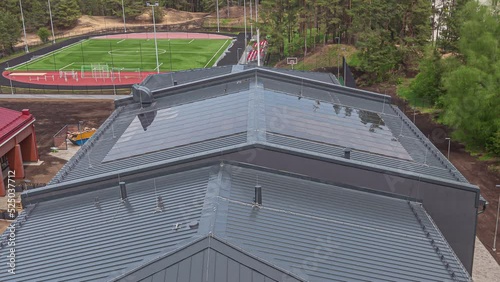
(496, 224)
(217, 8)
(123, 10)
(10, 81)
(258, 47)
(52, 25)
(24, 29)
(449, 144)
(256, 12)
(251, 20)
(338, 57)
(154, 30)
(245, 20)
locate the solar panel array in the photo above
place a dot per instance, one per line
(182, 125)
(332, 124)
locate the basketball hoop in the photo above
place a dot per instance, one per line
(291, 61)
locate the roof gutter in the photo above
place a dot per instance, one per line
(15, 132)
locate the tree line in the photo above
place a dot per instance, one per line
(460, 75)
(451, 44)
(389, 34)
(65, 14)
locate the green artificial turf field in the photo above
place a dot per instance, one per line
(132, 54)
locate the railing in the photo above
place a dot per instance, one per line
(60, 138)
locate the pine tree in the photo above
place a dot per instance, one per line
(10, 32)
(473, 89)
(66, 13)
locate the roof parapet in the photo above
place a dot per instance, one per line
(142, 94)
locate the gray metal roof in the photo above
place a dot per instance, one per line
(308, 230)
(209, 259)
(229, 107)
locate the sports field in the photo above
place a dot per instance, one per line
(131, 55)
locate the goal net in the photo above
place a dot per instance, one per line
(96, 71)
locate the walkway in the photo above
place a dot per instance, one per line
(62, 96)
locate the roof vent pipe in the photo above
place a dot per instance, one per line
(123, 191)
(347, 153)
(258, 195)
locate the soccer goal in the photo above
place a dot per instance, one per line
(96, 71)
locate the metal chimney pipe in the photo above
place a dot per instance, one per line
(347, 153)
(258, 195)
(123, 191)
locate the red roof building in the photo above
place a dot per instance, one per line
(17, 144)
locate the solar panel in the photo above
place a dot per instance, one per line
(181, 125)
(332, 124)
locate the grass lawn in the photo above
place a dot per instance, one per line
(132, 54)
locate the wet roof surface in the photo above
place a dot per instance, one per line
(314, 231)
(258, 105)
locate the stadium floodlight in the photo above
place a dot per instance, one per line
(148, 4)
(24, 29)
(52, 25)
(123, 11)
(217, 8)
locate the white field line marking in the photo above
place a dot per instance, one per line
(48, 54)
(190, 41)
(66, 66)
(120, 41)
(158, 66)
(224, 44)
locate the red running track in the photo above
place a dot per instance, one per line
(164, 35)
(121, 78)
(76, 79)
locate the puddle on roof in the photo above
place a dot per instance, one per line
(370, 119)
(330, 123)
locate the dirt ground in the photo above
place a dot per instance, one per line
(87, 24)
(477, 172)
(51, 116)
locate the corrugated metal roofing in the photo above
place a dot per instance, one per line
(314, 231)
(94, 236)
(208, 260)
(333, 234)
(252, 95)
(11, 122)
